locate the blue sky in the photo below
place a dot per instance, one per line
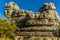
(32, 5)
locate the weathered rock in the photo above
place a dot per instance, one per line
(46, 12)
(42, 23)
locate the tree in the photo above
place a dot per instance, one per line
(7, 29)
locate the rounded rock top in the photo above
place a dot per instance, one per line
(50, 5)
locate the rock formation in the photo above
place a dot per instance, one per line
(42, 23)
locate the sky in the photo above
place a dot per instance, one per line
(31, 5)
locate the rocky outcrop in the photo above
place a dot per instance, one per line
(44, 22)
(46, 15)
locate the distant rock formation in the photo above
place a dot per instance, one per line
(44, 22)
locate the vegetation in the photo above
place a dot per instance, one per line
(7, 29)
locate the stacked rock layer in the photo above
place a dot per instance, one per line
(42, 23)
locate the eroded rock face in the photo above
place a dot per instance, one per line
(46, 14)
(33, 21)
